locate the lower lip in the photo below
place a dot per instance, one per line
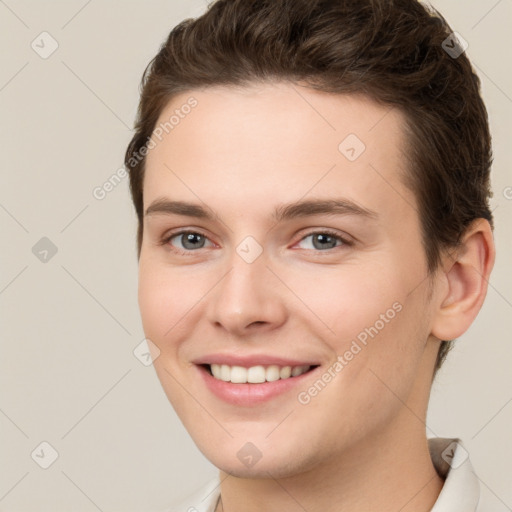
(250, 394)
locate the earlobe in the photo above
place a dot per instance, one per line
(466, 272)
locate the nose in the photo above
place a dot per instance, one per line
(248, 300)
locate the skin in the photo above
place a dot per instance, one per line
(240, 153)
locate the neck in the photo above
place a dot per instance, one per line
(390, 472)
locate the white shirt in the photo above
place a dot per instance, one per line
(460, 492)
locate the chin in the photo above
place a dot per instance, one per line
(246, 462)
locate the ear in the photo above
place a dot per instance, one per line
(466, 276)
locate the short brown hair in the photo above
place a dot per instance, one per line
(393, 51)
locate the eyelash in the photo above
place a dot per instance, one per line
(167, 238)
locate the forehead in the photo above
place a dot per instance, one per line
(277, 142)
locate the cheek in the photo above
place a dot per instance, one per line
(366, 316)
(382, 351)
(153, 304)
(352, 300)
(164, 299)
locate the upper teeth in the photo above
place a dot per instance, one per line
(255, 374)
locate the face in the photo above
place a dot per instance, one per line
(282, 253)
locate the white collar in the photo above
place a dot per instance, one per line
(461, 489)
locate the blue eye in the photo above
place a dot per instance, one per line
(186, 242)
(189, 240)
(324, 240)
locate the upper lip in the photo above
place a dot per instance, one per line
(251, 360)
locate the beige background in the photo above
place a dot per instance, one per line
(68, 375)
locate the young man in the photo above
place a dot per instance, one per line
(311, 180)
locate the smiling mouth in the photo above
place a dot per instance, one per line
(255, 374)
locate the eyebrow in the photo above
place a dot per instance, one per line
(281, 213)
